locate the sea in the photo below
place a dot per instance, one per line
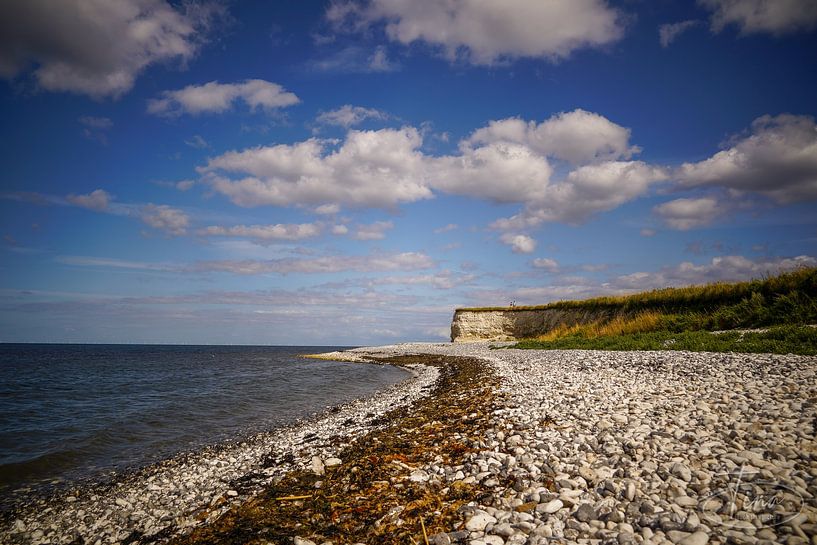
(71, 413)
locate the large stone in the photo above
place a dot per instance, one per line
(478, 522)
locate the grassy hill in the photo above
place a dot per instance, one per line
(784, 306)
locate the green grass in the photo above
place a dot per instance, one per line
(789, 298)
(790, 339)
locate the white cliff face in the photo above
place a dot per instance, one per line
(509, 325)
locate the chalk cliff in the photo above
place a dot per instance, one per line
(518, 323)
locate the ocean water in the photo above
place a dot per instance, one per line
(70, 412)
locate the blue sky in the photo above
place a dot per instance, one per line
(350, 172)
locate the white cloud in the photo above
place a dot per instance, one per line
(777, 159)
(547, 264)
(770, 16)
(339, 229)
(215, 97)
(100, 123)
(446, 228)
(488, 32)
(407, 261)
(349, 116)
(266, 233)
(373, 231)
(355, 60)
(670, 32)
(685, 214)
(508, 161)
(586, 191)
(97, 200)
(520, 244)
(165, 218)
(579, 137)
(730, 268)
(97, 47)
(327, 209)
(647, 232)
(185, 185)
(370, 168)
(197, 142)
(502, 172)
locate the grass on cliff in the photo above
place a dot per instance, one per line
(684, 318)
(790, 339)
(789, 298)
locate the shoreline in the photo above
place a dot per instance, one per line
(154, 503)
(568, 446)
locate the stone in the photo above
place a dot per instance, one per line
(685, 501)
(681, 471)
(585, 513)
(332, 462)
(696, 538)
(441, 539)
(478, 522)
(550, 507)
(232, 493)
(317, 466)
(419, 476)
(493, 540)
(302, 541)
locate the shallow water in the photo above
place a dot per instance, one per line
(71, 412)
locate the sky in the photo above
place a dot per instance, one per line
(350, 172)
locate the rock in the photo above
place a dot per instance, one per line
(441, 539)
(681, 471)
(504, 530)
(585, 513)
(697, 538)
(493, 540)
(332, 462)
(419, 476)
(550, 507)
(685, 501)
(478, 522)
(629, 491)
(302, 541)
(317, 466)
(232, 493)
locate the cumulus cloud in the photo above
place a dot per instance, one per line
(165, 218)
(763, 16)
(407, 261)
(370, 168)
(95, 128)
(509, 161)
(579, 137)
(670, 32)
(586, 191)
(349, 116)
(520, 244)
(97, 47)
(373, 231)
(215, 97)
(355, 59)
(730, 268)
(265, 233)
(546, 264)
(339, 229)
(97, 200)
(446, 228)
(685, 214)
(777, 159)
(485, 33)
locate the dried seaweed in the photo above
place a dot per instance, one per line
(370, 497)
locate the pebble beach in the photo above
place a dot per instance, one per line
(576, 447)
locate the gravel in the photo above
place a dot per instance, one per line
(642, 447)
(174, 496)
(585, 447)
